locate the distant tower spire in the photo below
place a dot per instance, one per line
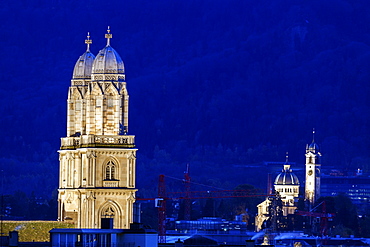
(88, 42)
(286, 157)
(286, 165)
(313, 135)
(108, 36)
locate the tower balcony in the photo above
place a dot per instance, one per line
(110, 183)
(98, 141)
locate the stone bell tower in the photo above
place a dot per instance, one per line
(98, 157)
(313, 171)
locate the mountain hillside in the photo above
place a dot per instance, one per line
(216, 84)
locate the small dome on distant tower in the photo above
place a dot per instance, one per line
(313, 147)
(108, 61)
(84, 64)
(286, 177)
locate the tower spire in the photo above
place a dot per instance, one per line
(88, 42)
(286, 157)
(313, 135)
(286, 165)
(108, 36)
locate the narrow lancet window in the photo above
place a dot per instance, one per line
(110, 170)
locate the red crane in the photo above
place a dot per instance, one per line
(188, 195)
(160, 203)
(324, 217)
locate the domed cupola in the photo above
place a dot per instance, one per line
(286, 177)
(108, 64)
(83, 66)
(313, 147)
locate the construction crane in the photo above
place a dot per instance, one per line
(187, 195)
(323, 215)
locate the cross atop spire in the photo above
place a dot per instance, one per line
(108, 36)
(88, 41)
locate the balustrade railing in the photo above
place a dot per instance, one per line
(110, 184)
(127, 141)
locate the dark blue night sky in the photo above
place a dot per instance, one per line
(212, 83)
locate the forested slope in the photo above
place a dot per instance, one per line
(211, 83)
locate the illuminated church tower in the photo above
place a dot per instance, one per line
(313, 172)
(97, 158)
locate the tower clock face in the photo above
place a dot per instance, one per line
(310, 172)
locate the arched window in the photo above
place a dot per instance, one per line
(110, 171)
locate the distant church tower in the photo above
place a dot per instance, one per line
(313, 171)
(97, 158)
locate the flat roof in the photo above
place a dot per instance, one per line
(100, 231)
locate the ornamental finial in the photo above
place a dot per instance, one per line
(313, 135)
(286, 157)
(286, 165)
(88, 41)
(108, 36)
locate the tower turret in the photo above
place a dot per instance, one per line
(313, 171)
(82, 69)
(107, 99)
(81, 78)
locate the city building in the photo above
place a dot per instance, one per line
(97, 157)
(210, 225)
(355, 185)
(135, 236)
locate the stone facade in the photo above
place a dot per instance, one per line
(263, 214)
(98, 157)
(313, 173)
